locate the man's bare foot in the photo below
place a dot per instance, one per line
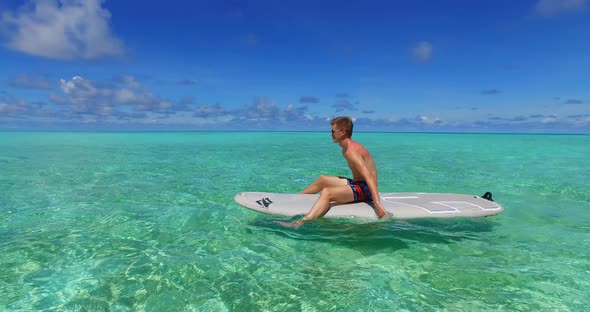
(293, 225)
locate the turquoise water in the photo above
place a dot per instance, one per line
(147, 221)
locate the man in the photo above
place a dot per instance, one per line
(361, 188)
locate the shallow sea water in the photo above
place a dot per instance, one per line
(147, 222)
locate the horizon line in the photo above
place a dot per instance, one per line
(291, 131)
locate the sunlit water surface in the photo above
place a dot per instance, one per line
(147, 221)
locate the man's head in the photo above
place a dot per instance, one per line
(343, 124)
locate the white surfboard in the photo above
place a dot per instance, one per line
(399, 205)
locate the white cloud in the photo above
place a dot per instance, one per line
(550, 119)
(62, 29)
(15, 107)
(422, 52)
(428, 120)
(124, 95)
(124, 99)
(12, 108)
(78, 88)
(210, 111)
(557, 7)
(31, 81)
(165, 105)
(343, 104)
(263, 108)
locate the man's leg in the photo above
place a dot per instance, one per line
(323, 182)
(341, 194)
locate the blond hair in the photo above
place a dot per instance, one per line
(344, 122)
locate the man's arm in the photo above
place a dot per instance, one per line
(373, 188)
(371, 181)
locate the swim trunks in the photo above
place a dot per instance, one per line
(360, 189)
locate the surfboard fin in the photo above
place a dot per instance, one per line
(488, 196)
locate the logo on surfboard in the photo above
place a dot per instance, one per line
(264, 202)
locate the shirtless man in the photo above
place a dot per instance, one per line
(361, 188)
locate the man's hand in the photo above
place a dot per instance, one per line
(379, 210)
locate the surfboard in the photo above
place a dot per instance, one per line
(399, 205)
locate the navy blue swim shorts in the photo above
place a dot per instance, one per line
(360, 190)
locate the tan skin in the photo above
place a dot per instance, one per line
(335, 189)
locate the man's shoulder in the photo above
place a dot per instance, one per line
(356, 148)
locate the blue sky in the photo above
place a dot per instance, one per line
(458, 66)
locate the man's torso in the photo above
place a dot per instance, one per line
(358, 149)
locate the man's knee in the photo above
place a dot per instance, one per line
(331, 192)
(327, 192)
(322, 180)
(341, 194)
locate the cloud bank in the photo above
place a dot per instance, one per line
(124, 103)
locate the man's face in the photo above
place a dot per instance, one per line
(337, 133)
